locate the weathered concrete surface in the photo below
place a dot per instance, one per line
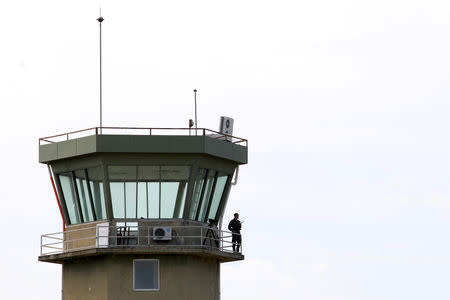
(110, 277)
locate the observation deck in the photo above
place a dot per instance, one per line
(136, 238)
(116, 185)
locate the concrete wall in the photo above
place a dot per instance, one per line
(110, 277)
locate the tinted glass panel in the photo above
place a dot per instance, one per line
(206, 196)
(142, 209)
(68, 190)
(173, 183)
(146, 274)
(130, 193)
(118, 199)
(95, 176)
(148, 191)
(179, 208)
(153, 199)
(198, 185)
(83, 195)
(217, 196)
(169, 192)
(123, 190)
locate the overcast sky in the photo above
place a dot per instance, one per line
(345, 104)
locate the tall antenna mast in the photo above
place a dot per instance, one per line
(195, 100)
(100, 20)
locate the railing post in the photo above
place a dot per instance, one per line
(150, 131)
(204, 132)
(148, 235)
(67, 136)
(96, 130)
(41, 245)
(201, 235)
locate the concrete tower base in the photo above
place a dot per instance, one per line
(110, 277)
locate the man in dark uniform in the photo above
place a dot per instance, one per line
(235, 228)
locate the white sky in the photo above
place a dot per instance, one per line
(345, 103)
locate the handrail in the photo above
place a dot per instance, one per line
(150, 131)
(200, 237)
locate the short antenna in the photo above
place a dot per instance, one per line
(100, 20)
(195, 101)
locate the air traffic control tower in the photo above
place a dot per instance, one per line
(142, 209)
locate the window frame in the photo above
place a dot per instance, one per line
(102, 193)
(62, 200)
(89, 195)
(213, 191)
(202, 194)
(225, 193)
(73, 179)
(158, 271)
(224, 198)
(159, 181)
(75, 197)
(191, 206)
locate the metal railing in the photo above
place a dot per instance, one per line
(107, 236)
(141, 131)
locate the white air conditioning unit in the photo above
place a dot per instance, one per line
(162, 233)
(226, 126)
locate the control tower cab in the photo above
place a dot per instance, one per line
(142, 209)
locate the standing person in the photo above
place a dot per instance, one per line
(235, 227)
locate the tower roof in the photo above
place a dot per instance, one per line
(142, 140)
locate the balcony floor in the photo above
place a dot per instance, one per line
(156, 250)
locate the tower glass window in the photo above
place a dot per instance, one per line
(142, 192)
(95, 176)
(208, 190)
(83, 195)
(153, 199)
(70, 198)
(206, 196)
(122, 182)
(179, 209)
(142, 196)
(221, 182)
(198, 187)
(174, 182)
(148, 191)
